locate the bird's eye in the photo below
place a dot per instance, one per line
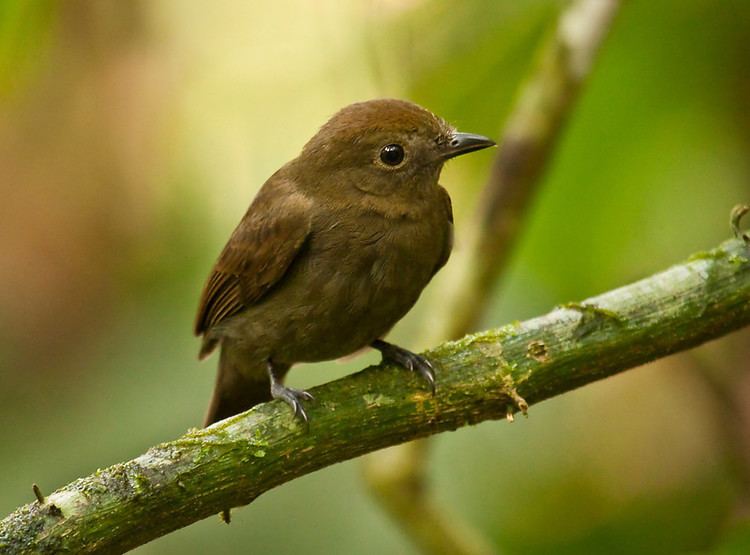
(392, 155)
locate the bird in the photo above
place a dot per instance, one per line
(335, 248)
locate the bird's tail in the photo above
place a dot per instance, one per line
(236, 389)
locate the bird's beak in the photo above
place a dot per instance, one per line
(463, 143)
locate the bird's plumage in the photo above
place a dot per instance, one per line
(334, 250)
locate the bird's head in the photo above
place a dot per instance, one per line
(383, 146)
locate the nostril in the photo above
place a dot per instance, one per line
(454, 143)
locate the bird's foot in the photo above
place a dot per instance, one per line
(292, 397)
(407, 359)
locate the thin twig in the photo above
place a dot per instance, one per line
(38, 493)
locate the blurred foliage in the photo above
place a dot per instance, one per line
(134, 134)
(24, 28)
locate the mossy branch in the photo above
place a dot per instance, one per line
(481, 377)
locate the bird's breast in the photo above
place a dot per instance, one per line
(382, 264)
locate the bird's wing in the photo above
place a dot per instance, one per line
(448, 245)
(258, 254)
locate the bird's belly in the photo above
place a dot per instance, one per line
(351, 307)
(337, 299)
(351, 295)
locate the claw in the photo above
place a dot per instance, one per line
(299, 412)
(427, 372)
(292, 397)
(408, 360)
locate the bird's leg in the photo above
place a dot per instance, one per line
(407, 359)
(293, 397)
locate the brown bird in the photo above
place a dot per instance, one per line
(334, 250)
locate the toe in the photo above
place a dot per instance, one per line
(293, 398)
(299, 411)
(408, 360)
(427, 374)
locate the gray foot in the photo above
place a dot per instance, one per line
(292, 397)
(407, 359)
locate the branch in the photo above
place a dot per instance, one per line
(481, 377)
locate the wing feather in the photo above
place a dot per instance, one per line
(258, 254)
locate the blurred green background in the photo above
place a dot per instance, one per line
(133, 135)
